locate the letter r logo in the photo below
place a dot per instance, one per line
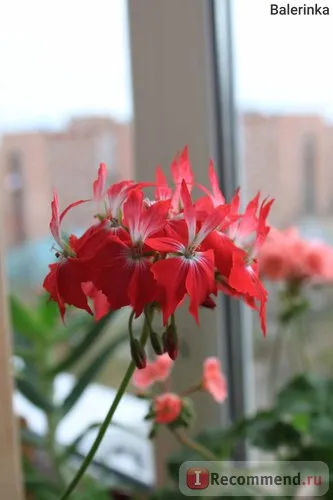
(197, 478)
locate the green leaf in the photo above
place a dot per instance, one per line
(87, 376)
(25, 322)
(301, 422)
(321, 431)
(305, 394)
(48, 312)
(72, 448)
(30, 392)
(83, 346)
(267, 432)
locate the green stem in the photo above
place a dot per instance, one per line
(302, 346)
(195, 446)
(104, 427)
(275, 360)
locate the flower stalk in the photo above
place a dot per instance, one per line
(108, 419)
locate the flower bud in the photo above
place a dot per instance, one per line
(153, 432)
(156, 343)
(138, 354)
(170, 342)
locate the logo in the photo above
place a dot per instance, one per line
(197, 478)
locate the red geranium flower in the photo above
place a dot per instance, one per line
(187, 270)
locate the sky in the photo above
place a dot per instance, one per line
(71, 57)
(283, 63)
(60, 58)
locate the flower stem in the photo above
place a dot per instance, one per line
(194, 445)
(104, 427)
(191, 390)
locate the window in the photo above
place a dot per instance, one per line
(285, 109)
(71, 111)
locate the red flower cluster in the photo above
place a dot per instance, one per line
(286, 256)
(142, 251)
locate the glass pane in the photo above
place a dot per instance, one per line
(65, 106)
(285, 108)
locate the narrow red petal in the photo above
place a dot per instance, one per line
(165, 244)
(200, 280)
(189, 212)
(55, 218)
(163, 191)
(99, 184)
(72, 205)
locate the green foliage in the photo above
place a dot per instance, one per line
(298, 428)
(32, 393)
(46, 348)
(87, 375)
(83, 346)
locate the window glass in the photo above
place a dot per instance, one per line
(65, 106)
(283, 88)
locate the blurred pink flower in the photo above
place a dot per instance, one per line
(156, 371)
(213, 380)
(167, 407)
(287, 256)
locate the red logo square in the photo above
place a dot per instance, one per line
(197, 478)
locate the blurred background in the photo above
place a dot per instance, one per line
(84, 83)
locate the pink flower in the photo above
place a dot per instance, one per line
(213, 380)
(167, 407)
(287, 256)
(156, 371)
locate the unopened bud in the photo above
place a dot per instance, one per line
(153, 432)
(156, 343)
(138, 354)
(170, 342)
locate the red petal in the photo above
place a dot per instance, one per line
(55, 219)
(100, 302)
(142, 288)
(99, 184)
(171, 274)
(214, 182)
(200, 280)
(165, 244)
(181, 169)
(50, 285)
(189, 212)
(162, 192)
(71, 274)
(115, 271)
